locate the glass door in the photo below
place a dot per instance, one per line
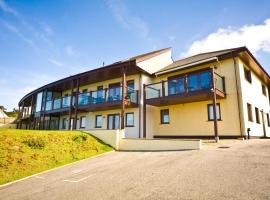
(113, 121)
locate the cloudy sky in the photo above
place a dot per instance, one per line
(42, 41)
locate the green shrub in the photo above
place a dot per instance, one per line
(35, 143)
(79, 138)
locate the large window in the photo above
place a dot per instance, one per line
(164, 116)
(257, 115)
(263, 89)
(210, 109)
(176, 85)
(82, 122)
(39, 102)
(250, 115)
(99, 121)
(247, 74)
(199, 81)
(130, 119)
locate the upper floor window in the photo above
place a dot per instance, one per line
(211, 112)
(249, 109)
(199, 81)
(247, 74)
(263, 89)
(257, 115)
(164, 116)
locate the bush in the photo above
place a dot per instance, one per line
(79, 138)
(35, 143)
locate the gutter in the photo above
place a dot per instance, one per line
(187, 65)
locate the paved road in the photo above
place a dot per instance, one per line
(239, 172)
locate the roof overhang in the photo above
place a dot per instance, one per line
(97, 75)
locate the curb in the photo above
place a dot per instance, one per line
(24, 178)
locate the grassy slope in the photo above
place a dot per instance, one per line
(18, 159)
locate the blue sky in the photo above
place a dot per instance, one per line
(42, 41)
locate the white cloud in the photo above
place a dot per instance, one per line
(255, 37)
(123, 16)
(56, 62)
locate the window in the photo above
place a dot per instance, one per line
(129, 119)
(84, 91)
(257, 115)
(99, 121)
(263, 89)
(82, 122)
(164, 116)
(199, 81)
(64, 123)
(268, 120)
(130, 84)
(249, 109)
(247, 74)
(176, 85)
(210, 109)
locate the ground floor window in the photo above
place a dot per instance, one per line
(82, 122)
(64, 123)
(164, 116)
(129, 119)
(113, 121)
(210, 109)
(99, 121)
(249, 109)
(257, 115)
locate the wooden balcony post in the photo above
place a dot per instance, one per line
(123, 98)
(22, 112)
(76, 104)
(30, 115)
(70, 106)
(144, 112)
(163, 88)
(214, 100)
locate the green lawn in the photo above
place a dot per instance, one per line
(26, 152)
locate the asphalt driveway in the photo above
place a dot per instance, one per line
(241, 171)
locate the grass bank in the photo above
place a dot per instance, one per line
(26, 152)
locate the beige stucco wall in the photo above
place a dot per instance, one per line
(252, 93)
(192, 118)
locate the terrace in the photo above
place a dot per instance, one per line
(191, 87)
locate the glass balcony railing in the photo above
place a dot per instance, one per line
(57, 104)
(84, 99)
(94, 97)
(219, 81)
(65, 102)
(185, 84)
(48, 105)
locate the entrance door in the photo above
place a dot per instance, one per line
(113, 121)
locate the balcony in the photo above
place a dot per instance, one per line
(105, 99)
(186, 88)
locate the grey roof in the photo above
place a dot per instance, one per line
(200, 57)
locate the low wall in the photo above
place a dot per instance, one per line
(158, 144)
(109, 137)
(6, 120)
(114, 139)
